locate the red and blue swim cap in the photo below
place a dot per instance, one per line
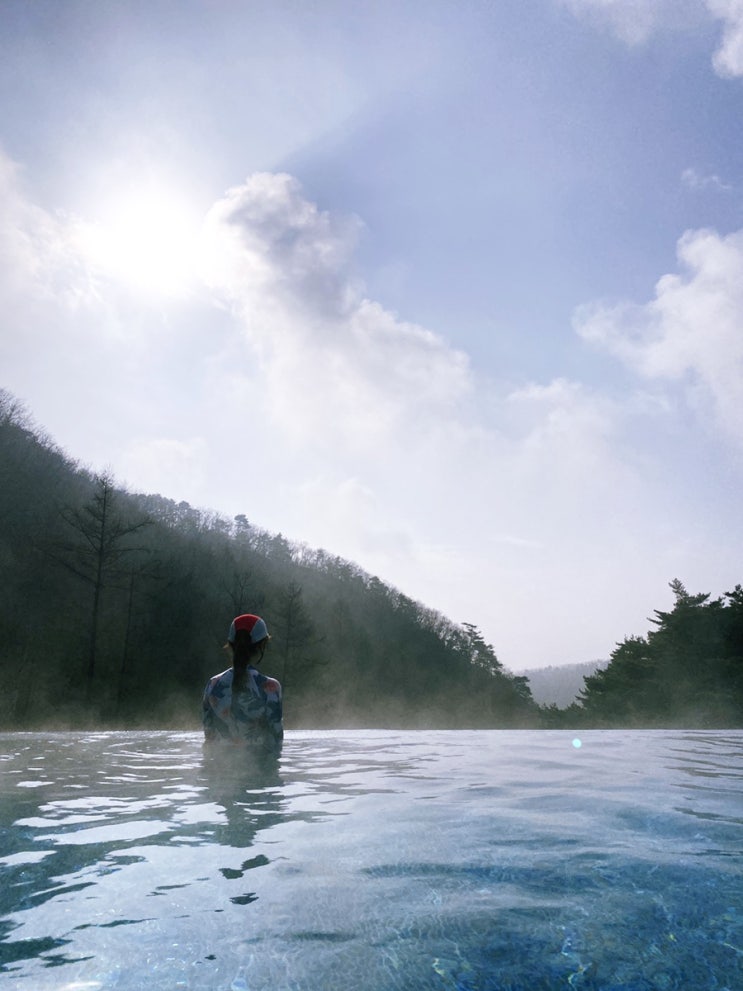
(253, 624)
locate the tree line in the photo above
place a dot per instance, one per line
(116, 604)
(115, 608)
(686, 672)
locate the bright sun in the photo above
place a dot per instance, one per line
(146, 239)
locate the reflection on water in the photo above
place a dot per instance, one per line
(373, 860)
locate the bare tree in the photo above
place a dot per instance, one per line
(239, 590)
(295, 635)
(97, 553)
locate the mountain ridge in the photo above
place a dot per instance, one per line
(560, 685)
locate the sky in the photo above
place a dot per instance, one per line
(453, 290)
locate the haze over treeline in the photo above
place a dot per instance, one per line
(115, 608)
(560, 685)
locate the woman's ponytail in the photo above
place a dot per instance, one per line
(242, 649)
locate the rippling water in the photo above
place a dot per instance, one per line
(373, 861)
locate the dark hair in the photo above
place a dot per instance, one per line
(243, 651)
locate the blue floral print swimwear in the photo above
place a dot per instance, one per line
(253, 718)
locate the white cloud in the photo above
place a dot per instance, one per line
(635, 21)
(349, 383)
(46, 294)
(389, 457)
(329, 358)
(37, 252)
(692, 332)
(728, 59)
(695, 180)
(265, 236)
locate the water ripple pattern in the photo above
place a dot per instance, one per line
(450, 861)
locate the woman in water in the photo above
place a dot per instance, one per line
(241, 706)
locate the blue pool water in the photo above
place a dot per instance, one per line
(367, 861)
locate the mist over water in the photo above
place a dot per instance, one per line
(373, 860)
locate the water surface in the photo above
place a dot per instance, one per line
(497, 861)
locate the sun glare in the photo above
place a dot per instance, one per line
(147, 240)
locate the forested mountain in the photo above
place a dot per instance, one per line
(561, 685)
(115, 607)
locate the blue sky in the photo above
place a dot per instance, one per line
(450, 289)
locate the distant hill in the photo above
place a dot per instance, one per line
(560, 685)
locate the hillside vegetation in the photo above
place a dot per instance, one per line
(115, 608)
(688, 671)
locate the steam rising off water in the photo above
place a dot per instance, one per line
(373, 861)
